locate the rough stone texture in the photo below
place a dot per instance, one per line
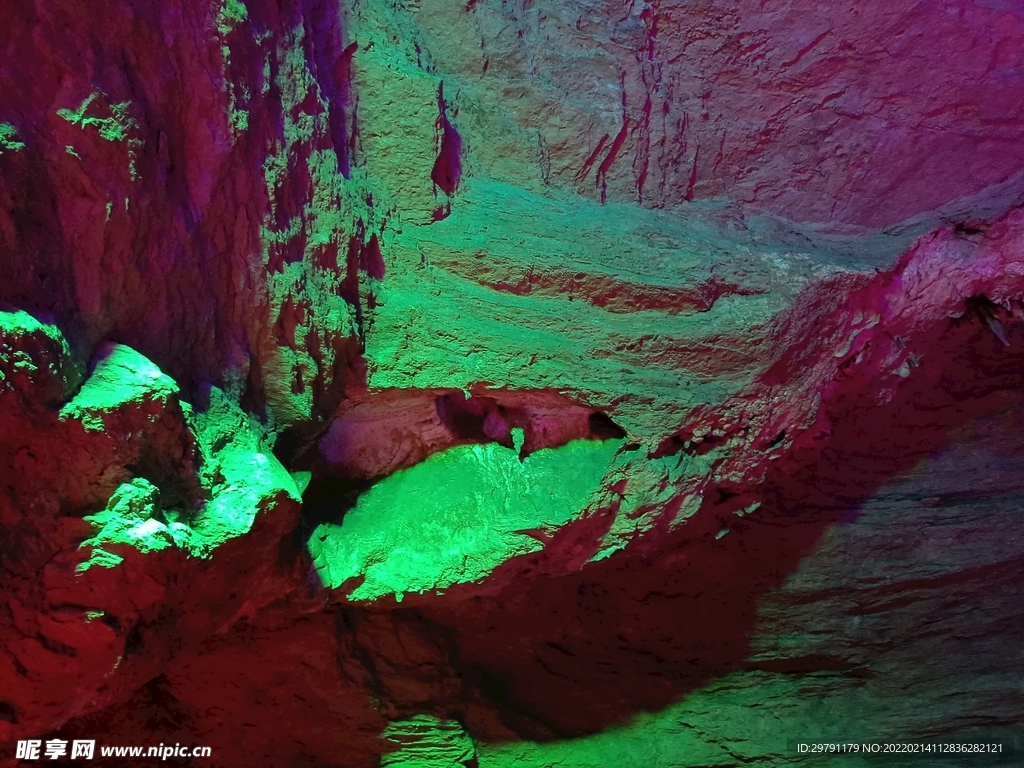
(176, 188)
(832, 114)
(426, 740)
(433, 383)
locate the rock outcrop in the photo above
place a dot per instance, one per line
(506, 382)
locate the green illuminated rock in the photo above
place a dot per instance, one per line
(114, 128)
(425, 741)
(130, 518)
(9, 139)
(239, 477)
(644, 315)
(456, 517)
(118, 127)
(302, 241)
(244, 477)
(121, 379)
(34, 359)
(743, 719)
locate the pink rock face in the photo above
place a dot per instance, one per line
(372, 436)
(846, 116)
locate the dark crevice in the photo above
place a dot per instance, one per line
(804, 665)
(603, 428)
(326, 500)
(8, 713)
(111, 621)
(474, 419)
(969, 228)
(724, 495)
(290, 447)
(134, 642)
(55, 646)
(983, 310)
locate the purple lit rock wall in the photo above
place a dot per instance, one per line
(842, 116)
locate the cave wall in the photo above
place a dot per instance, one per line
(422, 382)
(856, 117)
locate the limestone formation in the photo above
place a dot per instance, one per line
(512, 382)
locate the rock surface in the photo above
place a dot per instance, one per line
(433, 383)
